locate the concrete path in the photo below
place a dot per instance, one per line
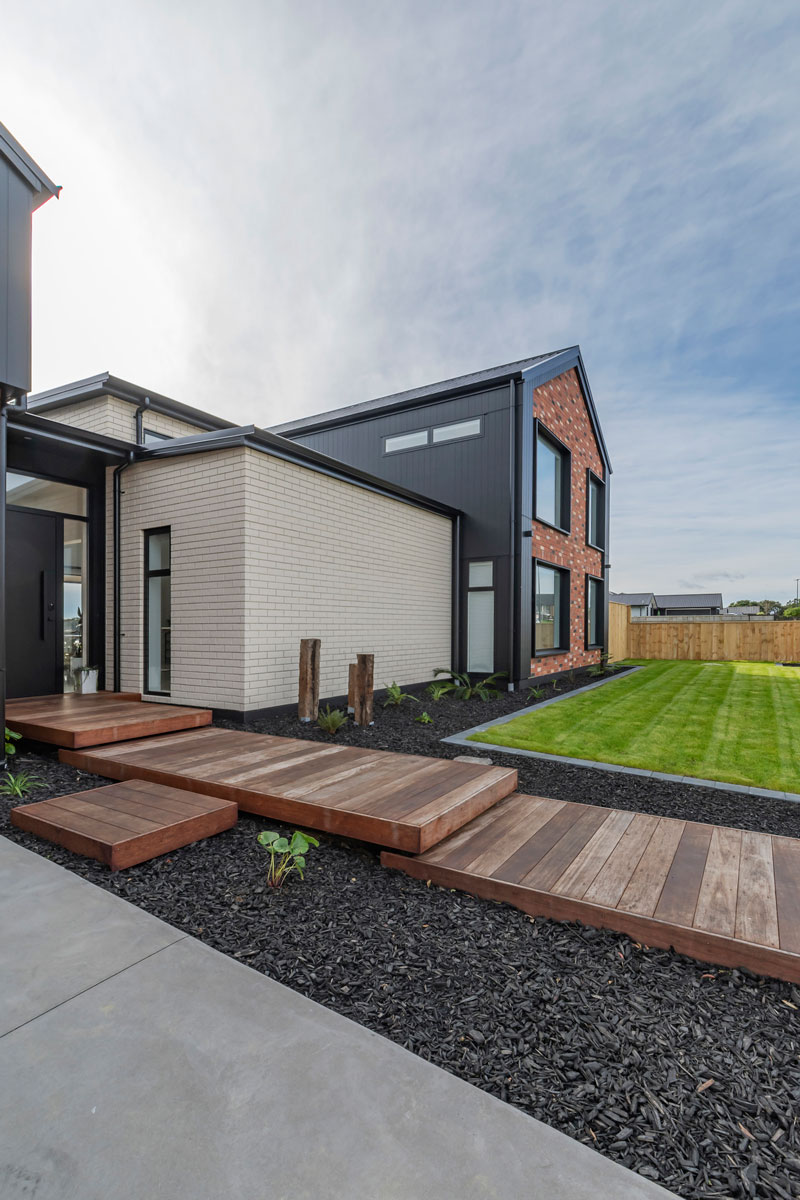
(138, 1064)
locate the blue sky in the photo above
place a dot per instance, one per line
(270, 209)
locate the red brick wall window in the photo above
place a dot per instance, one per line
(594, 613)
(595, 511)
(553, 475)
(551, 604)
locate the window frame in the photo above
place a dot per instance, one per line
(589, 579)
(592, 477)
(540, 430)
(388, 437)
(566, 623)
(149, 574)
(159, 437)
(460, 437)
(482, 587)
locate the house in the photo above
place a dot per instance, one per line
(641, 604)
(519, 451)
(689, 605)
(184, 557)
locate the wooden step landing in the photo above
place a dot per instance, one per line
(721, 895)
(126, 823)
(404, 801)
(98, 718)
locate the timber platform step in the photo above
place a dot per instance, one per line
(404, 801)
(126, 823)
(720, 895)
(74, 720)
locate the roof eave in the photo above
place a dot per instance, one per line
(39, 183)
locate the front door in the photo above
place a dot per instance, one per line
(34, 607)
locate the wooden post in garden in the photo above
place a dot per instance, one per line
(308, 696)
(362, 700)
(351, 688)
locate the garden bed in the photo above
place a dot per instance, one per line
(606, 1040)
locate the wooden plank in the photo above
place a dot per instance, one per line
(615, 875)
(308, 698)
(523, 860)
(678, 900)
(757, 907)
(585, 866)
(531, 820)
(552, 866)
(97, 718)
(716, 901)
(786, 863)
(642, 893)
(506, 825)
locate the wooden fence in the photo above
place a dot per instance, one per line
(704, 638)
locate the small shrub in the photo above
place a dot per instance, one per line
(597, 670)
(331, 720)
(535, 693)
(437, 691)
(556, 685)
(11, 737)
(285, 856)
(20, 784)
(463, 687)
(424, 719)
(571, 676)
(395, 695)
(793, 612)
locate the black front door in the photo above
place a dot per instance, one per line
(33, 584)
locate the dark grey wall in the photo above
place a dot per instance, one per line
(16, 200)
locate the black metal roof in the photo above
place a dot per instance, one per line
(109, 385)
(461, 383)
(683, 600)
(39, 183)
(632, 597)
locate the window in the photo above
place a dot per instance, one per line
(461, 429)
(157, 611)
(480, 616)
(596, 511)
(552, 481)
(151, 438)
(551, 609)
(594, 613)
(405, 441)
(29, 491)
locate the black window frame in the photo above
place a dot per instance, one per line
(460, 437)
(388, 437)
(149, 574)
(590, 645)
(153, 433)
(540, 430)
(591, 477)
(566, 611)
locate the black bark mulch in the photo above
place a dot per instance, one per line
(604, 1039)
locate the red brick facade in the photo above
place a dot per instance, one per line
(561, 408)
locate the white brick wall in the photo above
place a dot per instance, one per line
(265, 552)
(117, 418)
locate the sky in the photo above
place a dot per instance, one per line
(276, 208)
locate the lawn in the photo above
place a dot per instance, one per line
(737, 722)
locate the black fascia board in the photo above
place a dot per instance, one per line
(279, 447)
(23, 164)
(462, 385)
(69, 435)
(542, 373)
(109, 385)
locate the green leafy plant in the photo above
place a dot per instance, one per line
(330, 720)
(437, 690)
(285, 856)
(555, 685)
(535, 693)
(465, 689)
(395, 695)
(792, 612)
(424, 719)
(11, 737)
(597, 670)
(19, 785)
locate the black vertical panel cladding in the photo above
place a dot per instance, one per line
(471, 474)
(16, 200)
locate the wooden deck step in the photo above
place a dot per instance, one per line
(720, 895)
(405, 801)
(126, 823)
(96, 719)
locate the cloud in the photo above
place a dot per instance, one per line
(273, 209)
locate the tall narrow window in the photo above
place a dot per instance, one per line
(596, 514)
(480, 616)
(551, 610)
(157, 611)
(594, 613)
(552, 481)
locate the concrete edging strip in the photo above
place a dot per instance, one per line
(463, 739)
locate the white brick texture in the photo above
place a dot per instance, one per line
(117, 418)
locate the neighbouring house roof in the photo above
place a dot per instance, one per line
(632, 597)
(42, 187)
(553, 363)
(709, 600)
(109, 385)
(743, 610)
